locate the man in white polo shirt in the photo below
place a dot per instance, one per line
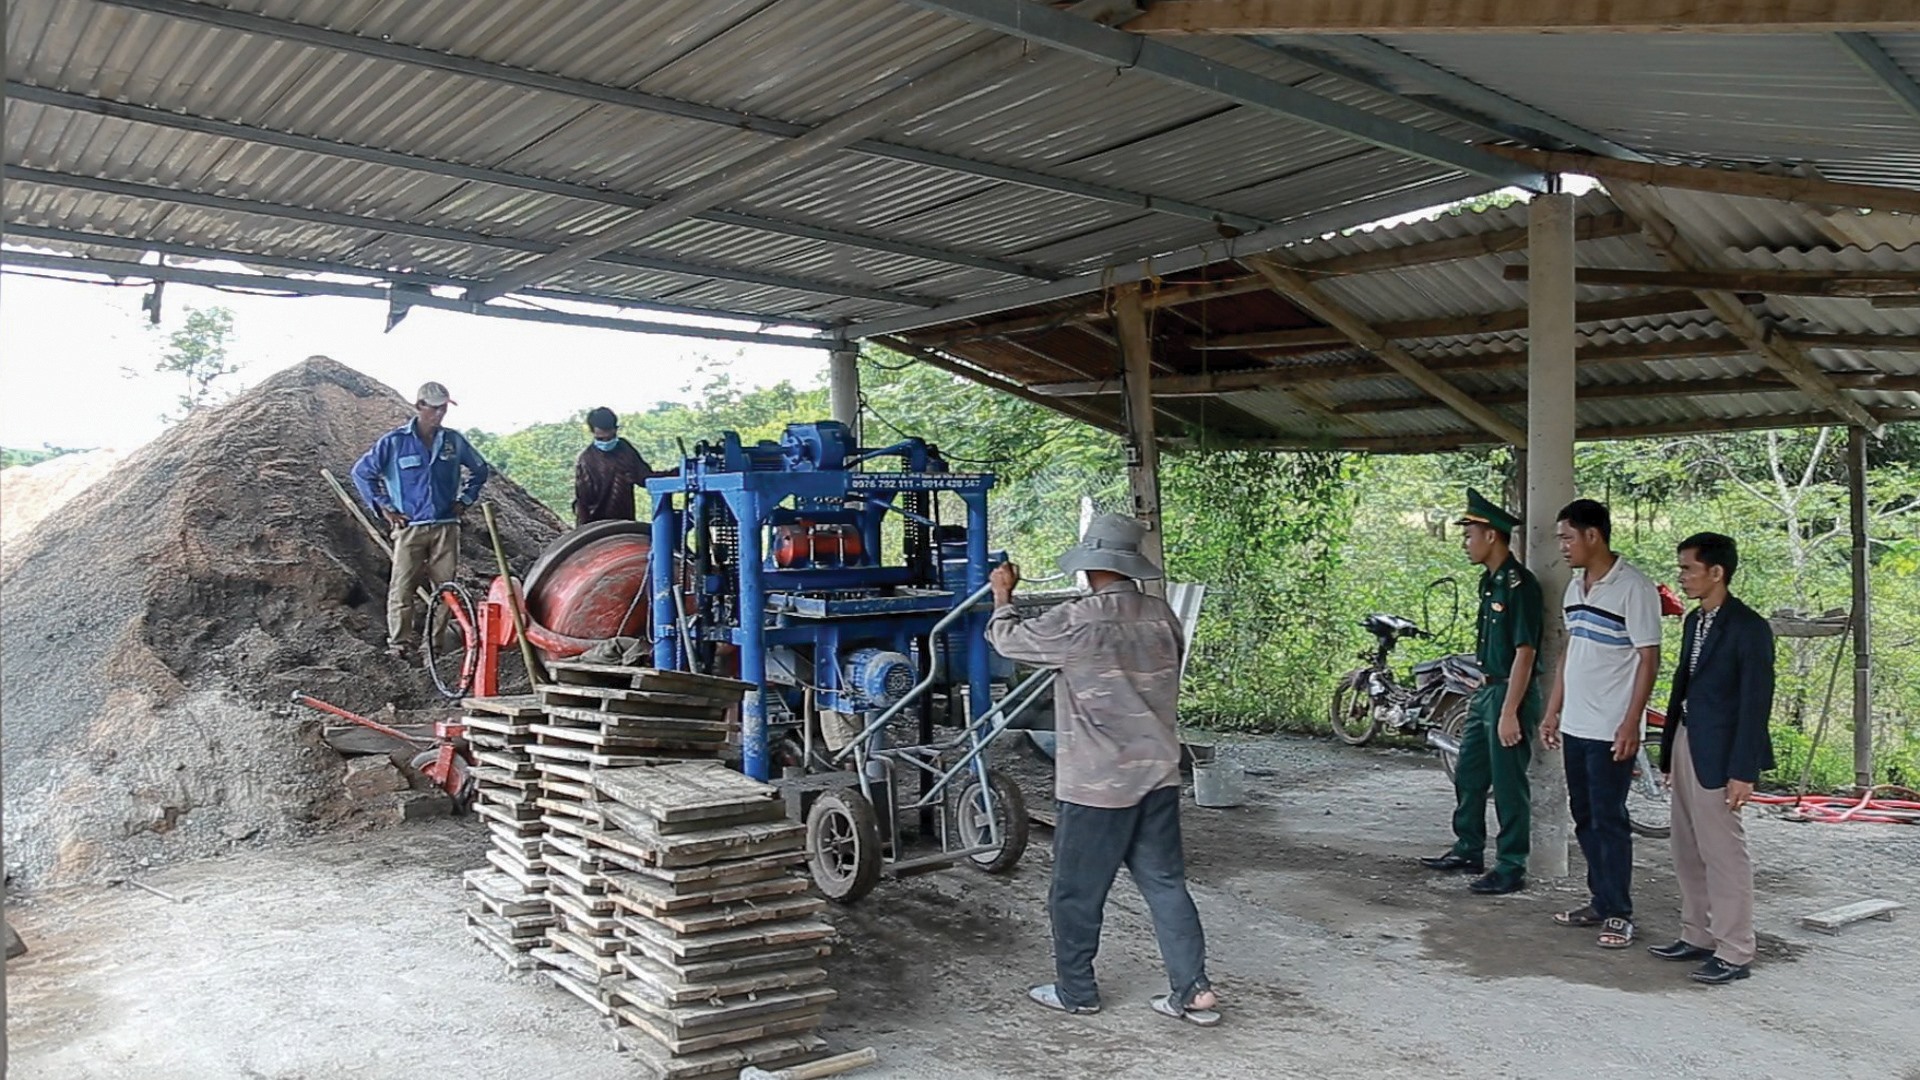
(1597, 708)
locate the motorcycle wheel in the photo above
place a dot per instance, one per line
(1452, 722)
(1648, 814)
(1351, 716)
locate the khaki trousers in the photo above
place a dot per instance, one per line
(1710, 859)
(422, 555)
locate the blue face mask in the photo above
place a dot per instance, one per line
(606, 444)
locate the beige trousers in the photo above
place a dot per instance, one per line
(1710, 859)
(423, 555)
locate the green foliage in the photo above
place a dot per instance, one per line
(10, 456)
(197, 352)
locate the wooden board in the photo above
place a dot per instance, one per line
(510, 762)
(583, 897)
(711, 874)
(647, 977)
(521, 819)
(725, 1062)
(577, 917)
(622, 739)
(529, 881)
(597, 954)
(614, 705)
(777, 1024)
(526, 933)
(505, 705)
(703, 971)
(576, 755)
(488, 776)
(639, 678)
(516, 957)
(663, 944)
(1833, 920)
(746, 913)
(648, 896)
(500, 726)
(586, 879)
(584, 991)
(685, 792)
(705, 845)
(731, 1015)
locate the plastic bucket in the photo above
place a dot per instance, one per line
(1218, 781)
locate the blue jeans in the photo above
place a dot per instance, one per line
(1597, 786)
(1090, 844)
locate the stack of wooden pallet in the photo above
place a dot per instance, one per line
(509, 912)
(722, 961)
(596, 718)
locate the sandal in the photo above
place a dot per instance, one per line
(1584, 916)
(1047, 996)
(1616, 933)
(1198, 1017)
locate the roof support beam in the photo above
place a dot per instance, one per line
(77, 237)
(1492, 322)
(394, 297)
(1520, 17)
(1854, 283)
(229, 204)
(1294, 285)
(1466, 92)
(1794, 189)
(1283, 376)
(994, 382)
(1043, 25)
(1747, 384)
(1774, 347)
(1885, 69)
(353, 44)
(175, 121)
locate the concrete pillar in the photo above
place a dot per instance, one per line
(1143, 449)
(843, 388)
(1549, 458)
(1862, 607)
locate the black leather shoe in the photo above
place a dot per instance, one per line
(1451, 862)
(1717, 971)
(1679, 950)
(1498, 884)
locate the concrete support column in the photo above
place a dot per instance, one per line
(1862, 607)
(843, 388)
(1143, 451)
(1549, 465)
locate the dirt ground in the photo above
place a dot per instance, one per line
(1337, 955)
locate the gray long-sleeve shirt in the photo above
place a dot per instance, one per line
(1118, 652)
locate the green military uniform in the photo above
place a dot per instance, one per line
(1510, 617)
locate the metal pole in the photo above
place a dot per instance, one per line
(1862, 605)
(1549, 471)
(752, 641)
(843, 387)
(665, 540)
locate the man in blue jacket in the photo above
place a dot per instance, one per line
(1714, 747)
(412, 478)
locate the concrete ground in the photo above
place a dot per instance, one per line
(1336, 954)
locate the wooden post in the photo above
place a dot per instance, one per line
(1549, 470)
(1862, 606)
(1143, 452)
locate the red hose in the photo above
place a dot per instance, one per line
(1837, 809)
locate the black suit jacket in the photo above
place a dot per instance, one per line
(1727, 701)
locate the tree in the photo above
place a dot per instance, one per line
(197, 352)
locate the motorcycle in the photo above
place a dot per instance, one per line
(1371, 697)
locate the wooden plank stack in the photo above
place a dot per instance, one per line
(721, 965)
(509, 913)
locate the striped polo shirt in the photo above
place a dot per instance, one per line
(1608, 621)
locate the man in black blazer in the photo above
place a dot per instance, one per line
(1714, 747)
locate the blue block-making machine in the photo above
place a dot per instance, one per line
(828, 577)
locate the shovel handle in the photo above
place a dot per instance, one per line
(833, 1066)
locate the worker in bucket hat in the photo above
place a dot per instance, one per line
(1117, 768)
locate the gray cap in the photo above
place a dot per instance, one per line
(1112, 543)
(435, 394)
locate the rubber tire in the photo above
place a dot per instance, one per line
(468, 651)
(853, 822)
(1014, 834)
(1352, 688)
(1452, 721)
(1640, 828)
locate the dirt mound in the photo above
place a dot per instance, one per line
(152, 636)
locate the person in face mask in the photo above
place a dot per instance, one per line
(606, 472)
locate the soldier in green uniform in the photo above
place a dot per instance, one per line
(1503, 715)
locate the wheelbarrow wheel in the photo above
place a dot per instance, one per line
(972, 822)
(843, 845)
(450, 641)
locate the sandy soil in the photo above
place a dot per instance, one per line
(1339, 957)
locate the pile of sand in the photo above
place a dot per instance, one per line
(152, 632)
(31, 493)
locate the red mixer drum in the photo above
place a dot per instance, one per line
(589, 585)
(805, 544)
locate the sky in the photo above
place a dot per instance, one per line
(66, 349)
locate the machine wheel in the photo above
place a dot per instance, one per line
(465, 786)
(843, 845)
(1452, 722)
(1352, 716)
(450, 641)
(971, 826)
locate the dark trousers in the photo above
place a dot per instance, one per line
(1597, 787)
(1486, 765)
(1090, 845)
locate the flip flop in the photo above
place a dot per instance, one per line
(1198, 1017)
(1584, 916)
(1616, 933)
(1047, 996)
